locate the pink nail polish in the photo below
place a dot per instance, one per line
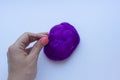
(44, 40)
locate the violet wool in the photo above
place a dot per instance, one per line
(63, 40)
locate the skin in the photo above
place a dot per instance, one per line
(22, 61)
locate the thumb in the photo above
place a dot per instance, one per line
(37, 47)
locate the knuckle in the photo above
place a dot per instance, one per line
(11, 48)
(26, 33)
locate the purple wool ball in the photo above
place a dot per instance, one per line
(63, 39)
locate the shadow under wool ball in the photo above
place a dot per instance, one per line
(63, 39)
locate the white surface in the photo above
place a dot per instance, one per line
(97, 21)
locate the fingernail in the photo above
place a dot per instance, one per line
(44, 40)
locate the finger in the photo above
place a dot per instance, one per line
(44, 40)
(38, 46)
(35, 50)
(44, 33)
(28, 50)
(27, 38)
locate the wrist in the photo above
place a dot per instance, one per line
(14, 76)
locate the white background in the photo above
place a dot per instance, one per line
(98, 22)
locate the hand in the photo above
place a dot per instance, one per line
(22, 61)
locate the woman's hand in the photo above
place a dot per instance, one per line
(22, 61)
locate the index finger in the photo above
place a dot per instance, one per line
(25, 39)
